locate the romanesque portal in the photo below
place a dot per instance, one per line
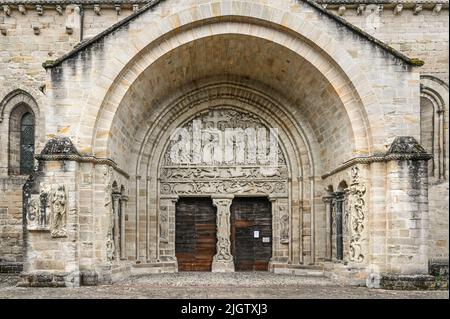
(223, 136)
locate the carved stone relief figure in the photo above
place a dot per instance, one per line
(163, 224)
(33, 214)
(355, 206)
(284, 224)
(59, 212)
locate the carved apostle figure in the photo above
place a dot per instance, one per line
(284, 226)
(59, 208)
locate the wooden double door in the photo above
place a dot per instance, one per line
(251, 234)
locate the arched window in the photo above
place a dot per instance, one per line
(21, 140)
(27, 144)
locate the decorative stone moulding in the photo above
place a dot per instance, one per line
(22, 9)
(398, 9)
(417, 8)
(341, 10)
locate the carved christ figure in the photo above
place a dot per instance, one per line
(59, 207)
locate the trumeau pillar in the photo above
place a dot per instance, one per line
(223, 260)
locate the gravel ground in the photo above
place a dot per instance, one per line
(223, 286)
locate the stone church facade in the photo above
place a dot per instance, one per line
(92, 91)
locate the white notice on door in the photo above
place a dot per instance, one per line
(266, 239)
(256, 234)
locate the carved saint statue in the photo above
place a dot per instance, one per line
(284, 226)
(58, 209)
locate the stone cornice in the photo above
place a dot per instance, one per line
(113, 2)
(410, 61)
(381, 1)
(364, 34)
(82, 159)
(67, 2)
(377, 159)
(403, 148)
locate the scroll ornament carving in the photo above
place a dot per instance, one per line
(48, 210)
(223, 230)
(356, 215)
(225, 187)
(284, 225)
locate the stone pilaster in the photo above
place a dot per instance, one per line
(223, 260)
(407, 208)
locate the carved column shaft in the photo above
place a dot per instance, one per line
(338, 205)
(328, 200)
(223, 260)
(123, 201)
(116, 219)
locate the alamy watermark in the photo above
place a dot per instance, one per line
(231, 146)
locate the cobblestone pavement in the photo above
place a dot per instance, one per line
(208, 285)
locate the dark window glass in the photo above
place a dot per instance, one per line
(27, 144)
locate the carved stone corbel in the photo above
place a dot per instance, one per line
(437, 8)
(417, 9)
(39, 9)
(97, 9)
(59, 9)
(360, 9)
(7, 10)
(398, 9)
(341, 10)
(22, 9)
(118, 9)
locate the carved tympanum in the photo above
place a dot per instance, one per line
(243, 170)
